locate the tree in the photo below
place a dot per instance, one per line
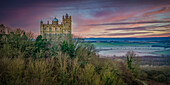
(40, 48)
(129, 56)
(68, 48)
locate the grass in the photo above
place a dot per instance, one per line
(60, 70)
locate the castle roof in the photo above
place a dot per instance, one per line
(55, 19)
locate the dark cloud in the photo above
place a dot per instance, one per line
(27, 3)
(119, 34)
(160, 35)
(129, 29)
(124, 23)
(131, 33)
(102, 3)
(148, 28)
(162, 10)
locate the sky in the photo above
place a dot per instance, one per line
(92, 18)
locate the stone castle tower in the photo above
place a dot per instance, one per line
(55, 29)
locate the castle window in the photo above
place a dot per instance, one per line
(50, 29)
(44, 28)
(55, 29)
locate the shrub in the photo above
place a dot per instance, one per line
(156, 75)
(63, 62)
(160, 78)
(129, 56)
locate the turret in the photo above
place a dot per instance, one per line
(41, 27)
(67, 23)
(63, 17)
(66, 16)
(70, 17)
(41, 22)
(55, 21)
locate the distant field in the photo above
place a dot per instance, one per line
(121, 44)
(145, 52)
(165, 52)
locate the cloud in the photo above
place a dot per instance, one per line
(131, 33)
(142, 28)
(119, 34)
(156, 35)
(162, 10)
(129, 29)
(88, 16)
(124, 23)
(166, 19)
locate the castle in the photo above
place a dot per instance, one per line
(51, 31)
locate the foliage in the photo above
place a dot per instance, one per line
(40, 48)
(129, 56)
(68, 48)
(15, 43)
(156, 75)
(63, 62)
(59, 70)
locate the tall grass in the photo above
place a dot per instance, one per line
(56, 62)
(60, 70)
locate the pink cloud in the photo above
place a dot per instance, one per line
(28, 17)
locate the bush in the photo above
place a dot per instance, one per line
(63, 62)
(156, 75)
(160, 78)
(59, 70)
(129, 57)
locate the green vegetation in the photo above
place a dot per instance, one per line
(61, 62)
(45, 62)
(129, 59)
(156, 75)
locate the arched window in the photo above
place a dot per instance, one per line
(44, 29)
(55, 29)
(50, 29)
